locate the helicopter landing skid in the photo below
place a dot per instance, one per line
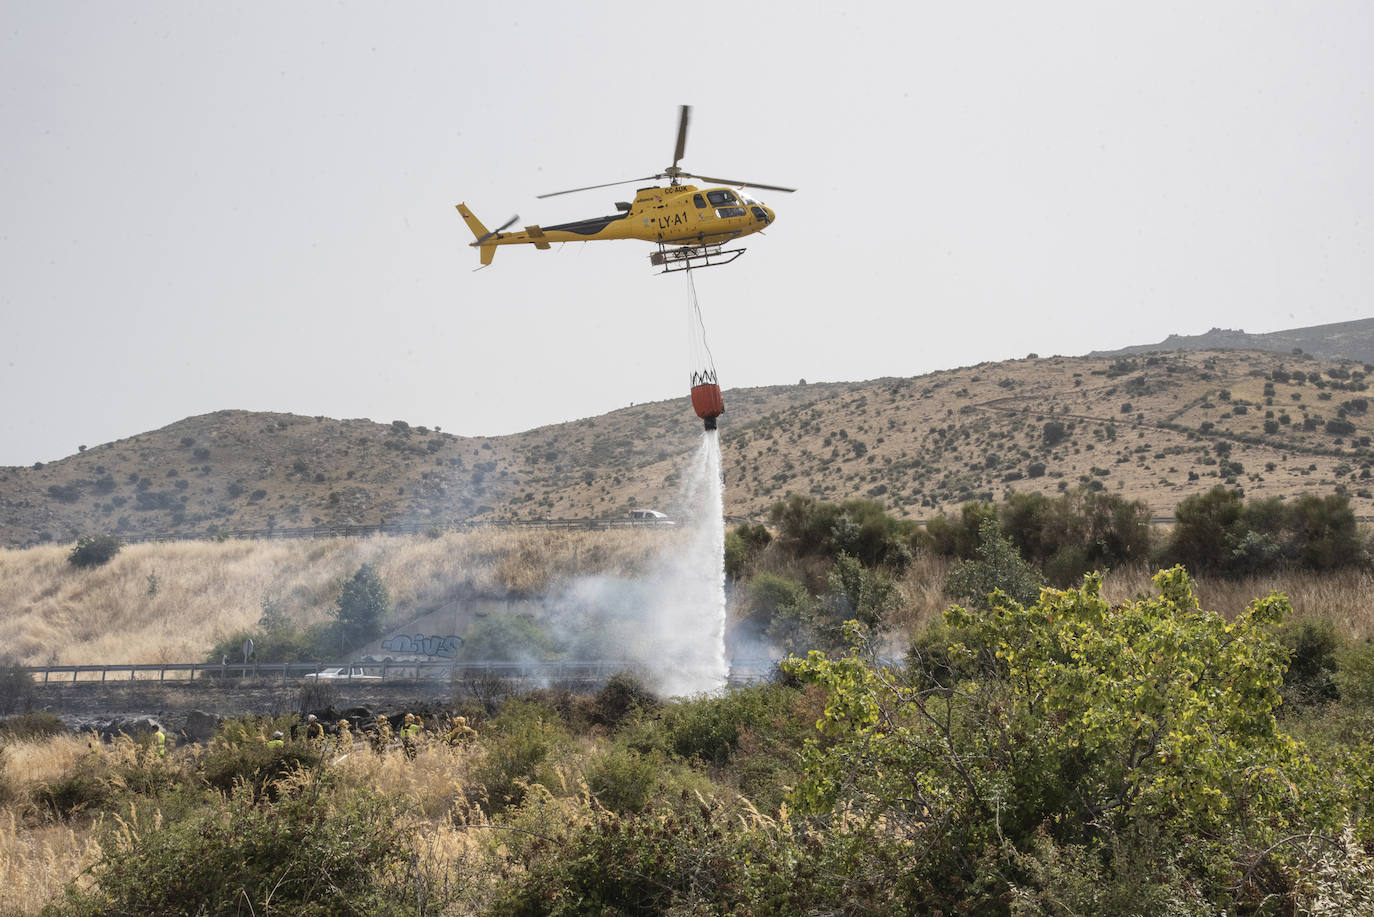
(685, 258)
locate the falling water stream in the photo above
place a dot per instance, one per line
(696, 580)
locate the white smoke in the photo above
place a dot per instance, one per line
(667, 624)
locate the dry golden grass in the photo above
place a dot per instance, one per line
(55, 613)
(923, 586)
(431, 785)
(1344, 598)
(37, 855)
(37, 861)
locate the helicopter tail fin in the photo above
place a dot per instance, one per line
(486, 250)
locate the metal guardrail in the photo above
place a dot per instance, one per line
(402, 528)
(355, 672)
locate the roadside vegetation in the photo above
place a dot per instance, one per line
(1021, 708)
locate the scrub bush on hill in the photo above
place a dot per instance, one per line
(94, 550)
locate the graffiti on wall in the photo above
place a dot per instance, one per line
(422, 645)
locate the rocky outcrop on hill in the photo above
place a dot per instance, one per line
(1340, 341)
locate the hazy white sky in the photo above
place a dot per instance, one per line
(250, 205)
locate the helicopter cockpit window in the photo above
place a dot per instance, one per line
(721, 197)
(699, 201)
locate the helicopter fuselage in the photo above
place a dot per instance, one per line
(672, 215)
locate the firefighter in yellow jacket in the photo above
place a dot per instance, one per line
(461, 733)
(410, 735)
(381, 734)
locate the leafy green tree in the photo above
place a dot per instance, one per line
(363, 606)
(273, 618)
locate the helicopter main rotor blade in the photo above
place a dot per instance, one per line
(681, 135)
(608, 184)
(739, 184)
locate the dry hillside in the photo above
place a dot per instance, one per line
(1155, 427)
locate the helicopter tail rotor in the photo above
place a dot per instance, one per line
(487, 236)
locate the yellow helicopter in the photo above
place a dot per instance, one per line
(690, 225)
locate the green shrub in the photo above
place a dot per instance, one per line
(780, 610)
(16, 686)
(94, 550)
(1093, 724)
(523, 735)
(1311, 674)
(959, 537)
(240, 756)
(82, 789)
(1354, 674)
(623, 694)
(697, 857)
(810, 527)
(505, 637)
(28, 726)
(1076, 533)
(999, 567)
(623, 780)
(1324, 534)
(709, 728)
(1218, 532)
(303, 856)
(742, 545)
